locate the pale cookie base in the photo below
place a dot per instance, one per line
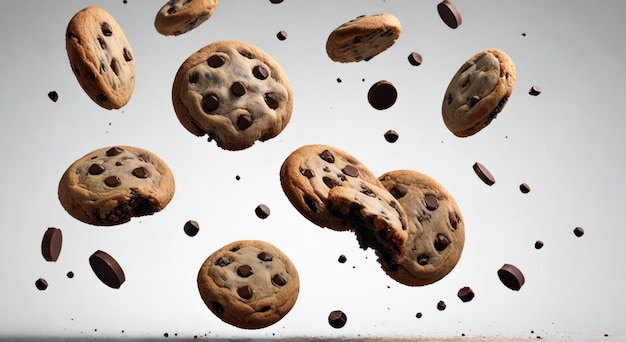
(181, 16)
(424, 227)
(219, 283)
(489, 77)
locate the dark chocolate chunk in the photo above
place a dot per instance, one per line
(140, 172)
(107, 269)
(342, 259)
(382, 95)
(210, 103)
(511, 277)
(391, 136)
(245, 271)
(245, 292)
(432, 203)
(422, 260)
(579, 231)
(215, 61)
(398, 191)
(524, 188)
(465, 294)
(238, 89)
(51, 244)
(244, 121)
(538, 244)
(278, 280)
(534, 91)
(311, 204)
(271, 99)
(70, 274)
(265, 256)
(223, 261)
(449, 14)
(41, 284)
(338, 80)
(483, 174)
(106, 29)
(191, 228)
(262, 211)
(418, 315)
(276, 1)
(281, 35)
(113, 151)
(441, 305)
(474, 100)
(337, 319)
(245, 53)
(112, 181)
(217, 308)
(350, 171)
(454, 219)
(327, 156)
(128, 56)
(308, 173)
(441, 242)
(260, 72)
(330, 183)
(53, 96)
(415, 59)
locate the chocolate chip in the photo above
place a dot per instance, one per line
(308, 173)
(431, 202)
(449, 14)
(95, 169)
(215, 61)
(465, 294)
(454, 219)
(415, 59)
(337, 319)
(449, 98)
(193, 78)
(422, 259)
(140, 172)
(579, 231)
(281, 35)
(441, 242)
(391, 136)
(265, 256)
(278, 280)
(244, 271)
(223, 261)
(245, 292)
(538, 244)
(128, 56)
(191, 228)
(260, 72)
(210, 103)
(342, 259)
(244, 121)
(246, 54)
(338, 80)
(524, 188)
(441, 305)
(41, 284)
(511, 277)
(107, 269)
(113, 151)
(271, 99)
(327, 156)
(382, 95)
(418, 315)
(483, 174)
(330, 183)
(51, 244)
(112, 181)
(118, 163)
(217, 308)
(53, 96)
(70, 274)
(238, 89)
(534, 91)
(398, 191)
(103, 45)
(276, 1)
(106, 29)
(474, 100)
(350, 171)
(262, 211)
(311, 204)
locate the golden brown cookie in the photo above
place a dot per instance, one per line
(101, 57)
(181, 16)
(363, 38)
(333, 189)
(233, 92)
(478, 92)
(436, 229)
(249, 284)
(111, 185)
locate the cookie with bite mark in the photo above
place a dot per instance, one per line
(181, 16)
(233, 92)
(478, 92)
(436, 230)
(110, 185)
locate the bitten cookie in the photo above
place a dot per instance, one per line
(436, 229)
(363, 38)
(111, 185)
(101, 57)
(233, 92)
(478, 92)
(249, 284)
(333, 189)
(181, 16)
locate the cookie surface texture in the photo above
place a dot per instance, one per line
(111, 185)
(362, 38)
(436, 229)
(181, 16)
(233, 92)
(101, 57)
(478, 92)
(333, 189)
(250, 284)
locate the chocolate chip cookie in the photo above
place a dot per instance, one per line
(233, 92)
(101, 57)
(436, 230)
(181, 16)
(333, 189)
(478, 92)
(111, 185)
(249, 284)
(362, 38)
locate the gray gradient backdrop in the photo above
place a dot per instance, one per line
(567, 144)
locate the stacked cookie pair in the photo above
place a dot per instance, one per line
(408, 218)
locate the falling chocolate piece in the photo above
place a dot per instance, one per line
(415, 59)
(337, 319)
(524, 188)
(281, 35)
(579, 231)
(418, 315)
(483, 174)
(534, 91)
(338, 80)
(511, 277)
(51, 244)
(342, 259)
(53, 96)
(70, 274)
(41, 284)
(441, 305)
(262, 211)
(107, 269)
(449, 14)
(391, 136)
(538, 244)
(465, 294)
(382, 95)
(191, 228)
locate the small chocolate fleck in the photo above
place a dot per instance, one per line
(511, 277)
(337, 319)
(432, 203)
(113, 151)
(41, 284)
(96, 169)
(281, 35)
(278, 280)
(327, 156)
(244, 121)
(222, 261)
(112, 181)
(140, 172)
(245, 271)
(215, 61)
(418, 315)
(262, 211)
(260, 72)
(70, 274)
(271, 99)
(415, 59)
(265, 256)
(245, 292)
(524, 188)
(106, 29)
(441, 242)
(342, 259)
(210, 103)
(350, 171)
(191, 228)
(441, 305)
(338, 80)
(53, 96)
(391, 136)
(579, 231)
(538, 244)
(398, 191)
(238, 89)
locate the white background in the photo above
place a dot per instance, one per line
(566, 143)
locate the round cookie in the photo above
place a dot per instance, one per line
(362, 38)
(478, 92)
(101, 57)
(436, 229)
(181, 16)
(333, 189)
(249, 284)
(233, 92)
(111, 185)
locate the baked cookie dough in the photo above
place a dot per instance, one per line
(181, 16)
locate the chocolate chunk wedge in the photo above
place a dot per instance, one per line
(337, 319)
